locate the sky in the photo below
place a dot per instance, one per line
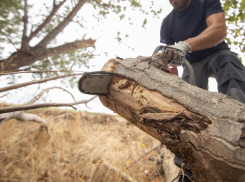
(140, 41)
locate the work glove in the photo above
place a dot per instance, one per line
(183, 46)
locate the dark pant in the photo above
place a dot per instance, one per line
(229, 73)
(226, 68)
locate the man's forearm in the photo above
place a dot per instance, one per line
(212, 35)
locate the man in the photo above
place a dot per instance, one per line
(198, 27)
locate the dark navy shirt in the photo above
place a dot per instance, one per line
(179, 26)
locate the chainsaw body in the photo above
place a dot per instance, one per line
(97, 83)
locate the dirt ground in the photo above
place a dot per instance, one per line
(76, 147)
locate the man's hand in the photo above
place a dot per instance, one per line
(183, 46)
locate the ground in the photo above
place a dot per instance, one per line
(73, 146)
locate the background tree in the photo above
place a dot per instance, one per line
(235, 18)
(34, 33)
(39, 31)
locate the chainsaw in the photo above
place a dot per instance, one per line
(97, 83)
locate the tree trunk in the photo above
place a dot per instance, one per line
(206, 129)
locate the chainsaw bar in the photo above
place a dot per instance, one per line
(95, 83)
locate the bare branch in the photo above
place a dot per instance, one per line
(70, 70)
(25, 43)
(62, 25)
(83, 101)
(69, 47)
(12, 87)
(35, 106)
(47, 20)
(46, 90)
(53, 71)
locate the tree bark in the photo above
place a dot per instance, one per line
(22, 58)
(206, 129)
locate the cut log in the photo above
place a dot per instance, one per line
(206, 129)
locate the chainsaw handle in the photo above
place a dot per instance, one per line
(185, 63)
(190, 71)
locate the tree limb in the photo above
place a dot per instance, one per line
(83, 101)
(25, 43)
(38, 53)
(69, 47)
(35, 106)
(12, 87)
(46, 90)
(47, 20)
(50, 71)
(62, 25)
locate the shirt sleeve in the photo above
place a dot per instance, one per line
(212, 7)
(165, 35)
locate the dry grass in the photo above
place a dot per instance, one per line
(71, 149)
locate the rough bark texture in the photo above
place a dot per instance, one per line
(206, 129)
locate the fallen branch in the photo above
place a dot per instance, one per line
(35, 106)
(21, 116)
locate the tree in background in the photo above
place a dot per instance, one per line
(235, 17)
(46, 31)
(33, 33)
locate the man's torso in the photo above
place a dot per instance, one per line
(179, 26)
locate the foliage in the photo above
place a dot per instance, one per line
(235, 16)
(10, 20)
